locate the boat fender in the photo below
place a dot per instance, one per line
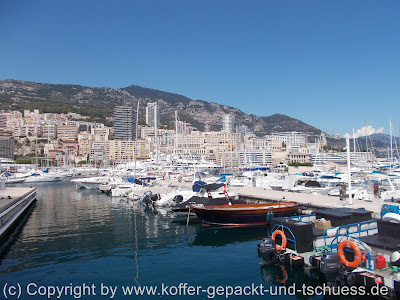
(397, 276)
(284, 240)
(270, 215)
(395, 259)
(357, 254)
(331, 232)
(364, 256)
(391, 217)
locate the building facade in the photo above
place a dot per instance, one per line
(68, 130)
(7, 147)
(124, 123)
(152, 115)
(228, 122)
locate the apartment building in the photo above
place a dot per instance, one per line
(97, 152)
(85, 140)
(244, 159)
(33, 130)
(119, 151)
(292, 139)
(49, 130)
(68, 130)
(152, 115)
(124, 123)
(7, 147)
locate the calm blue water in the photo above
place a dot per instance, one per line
(77, 237)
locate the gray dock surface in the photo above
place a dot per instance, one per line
(315, 201)
(11, 195)
(14, 202)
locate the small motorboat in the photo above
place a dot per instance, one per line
(244, 214)
(215, 197)
(185, 208)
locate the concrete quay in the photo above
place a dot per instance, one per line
(314, 201)
(14, 203)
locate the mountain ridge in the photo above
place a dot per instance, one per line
(98, 103)
(78, 98)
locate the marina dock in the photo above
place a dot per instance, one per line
(14, 203)
(314, 201)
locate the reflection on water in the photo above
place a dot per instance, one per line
(221, 236)
(87, 237)
(287, 276)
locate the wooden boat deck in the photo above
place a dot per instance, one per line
(243, 207)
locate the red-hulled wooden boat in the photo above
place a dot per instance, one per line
(244, 214)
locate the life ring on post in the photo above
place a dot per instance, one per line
(357, 254)
(284, 240)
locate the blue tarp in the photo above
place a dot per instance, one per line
(137, 181)
(197, 186)
(389, 209)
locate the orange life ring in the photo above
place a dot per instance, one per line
(285, 275)
(284, 240)
(357, 254)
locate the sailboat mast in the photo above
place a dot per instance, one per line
(391, 145)
(155, 132)
(135, 151)
(366, 136)
(176, 132)
(36, 153)
(349, 170)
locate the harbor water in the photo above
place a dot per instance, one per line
(92, 246)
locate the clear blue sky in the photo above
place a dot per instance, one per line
(333, 64)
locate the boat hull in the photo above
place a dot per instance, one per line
(244, 215)
(14, 180)
(35, 179)
(186, 206)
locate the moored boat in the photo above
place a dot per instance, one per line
(244, 214)
(185, 208)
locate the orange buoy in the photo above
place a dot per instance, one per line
(284, 240)
(357, 254)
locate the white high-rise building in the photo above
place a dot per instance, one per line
(228, 122)
(152, 115)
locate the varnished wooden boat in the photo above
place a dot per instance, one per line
(244, 214)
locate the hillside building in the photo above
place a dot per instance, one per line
(49, 131)
(68, 130)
